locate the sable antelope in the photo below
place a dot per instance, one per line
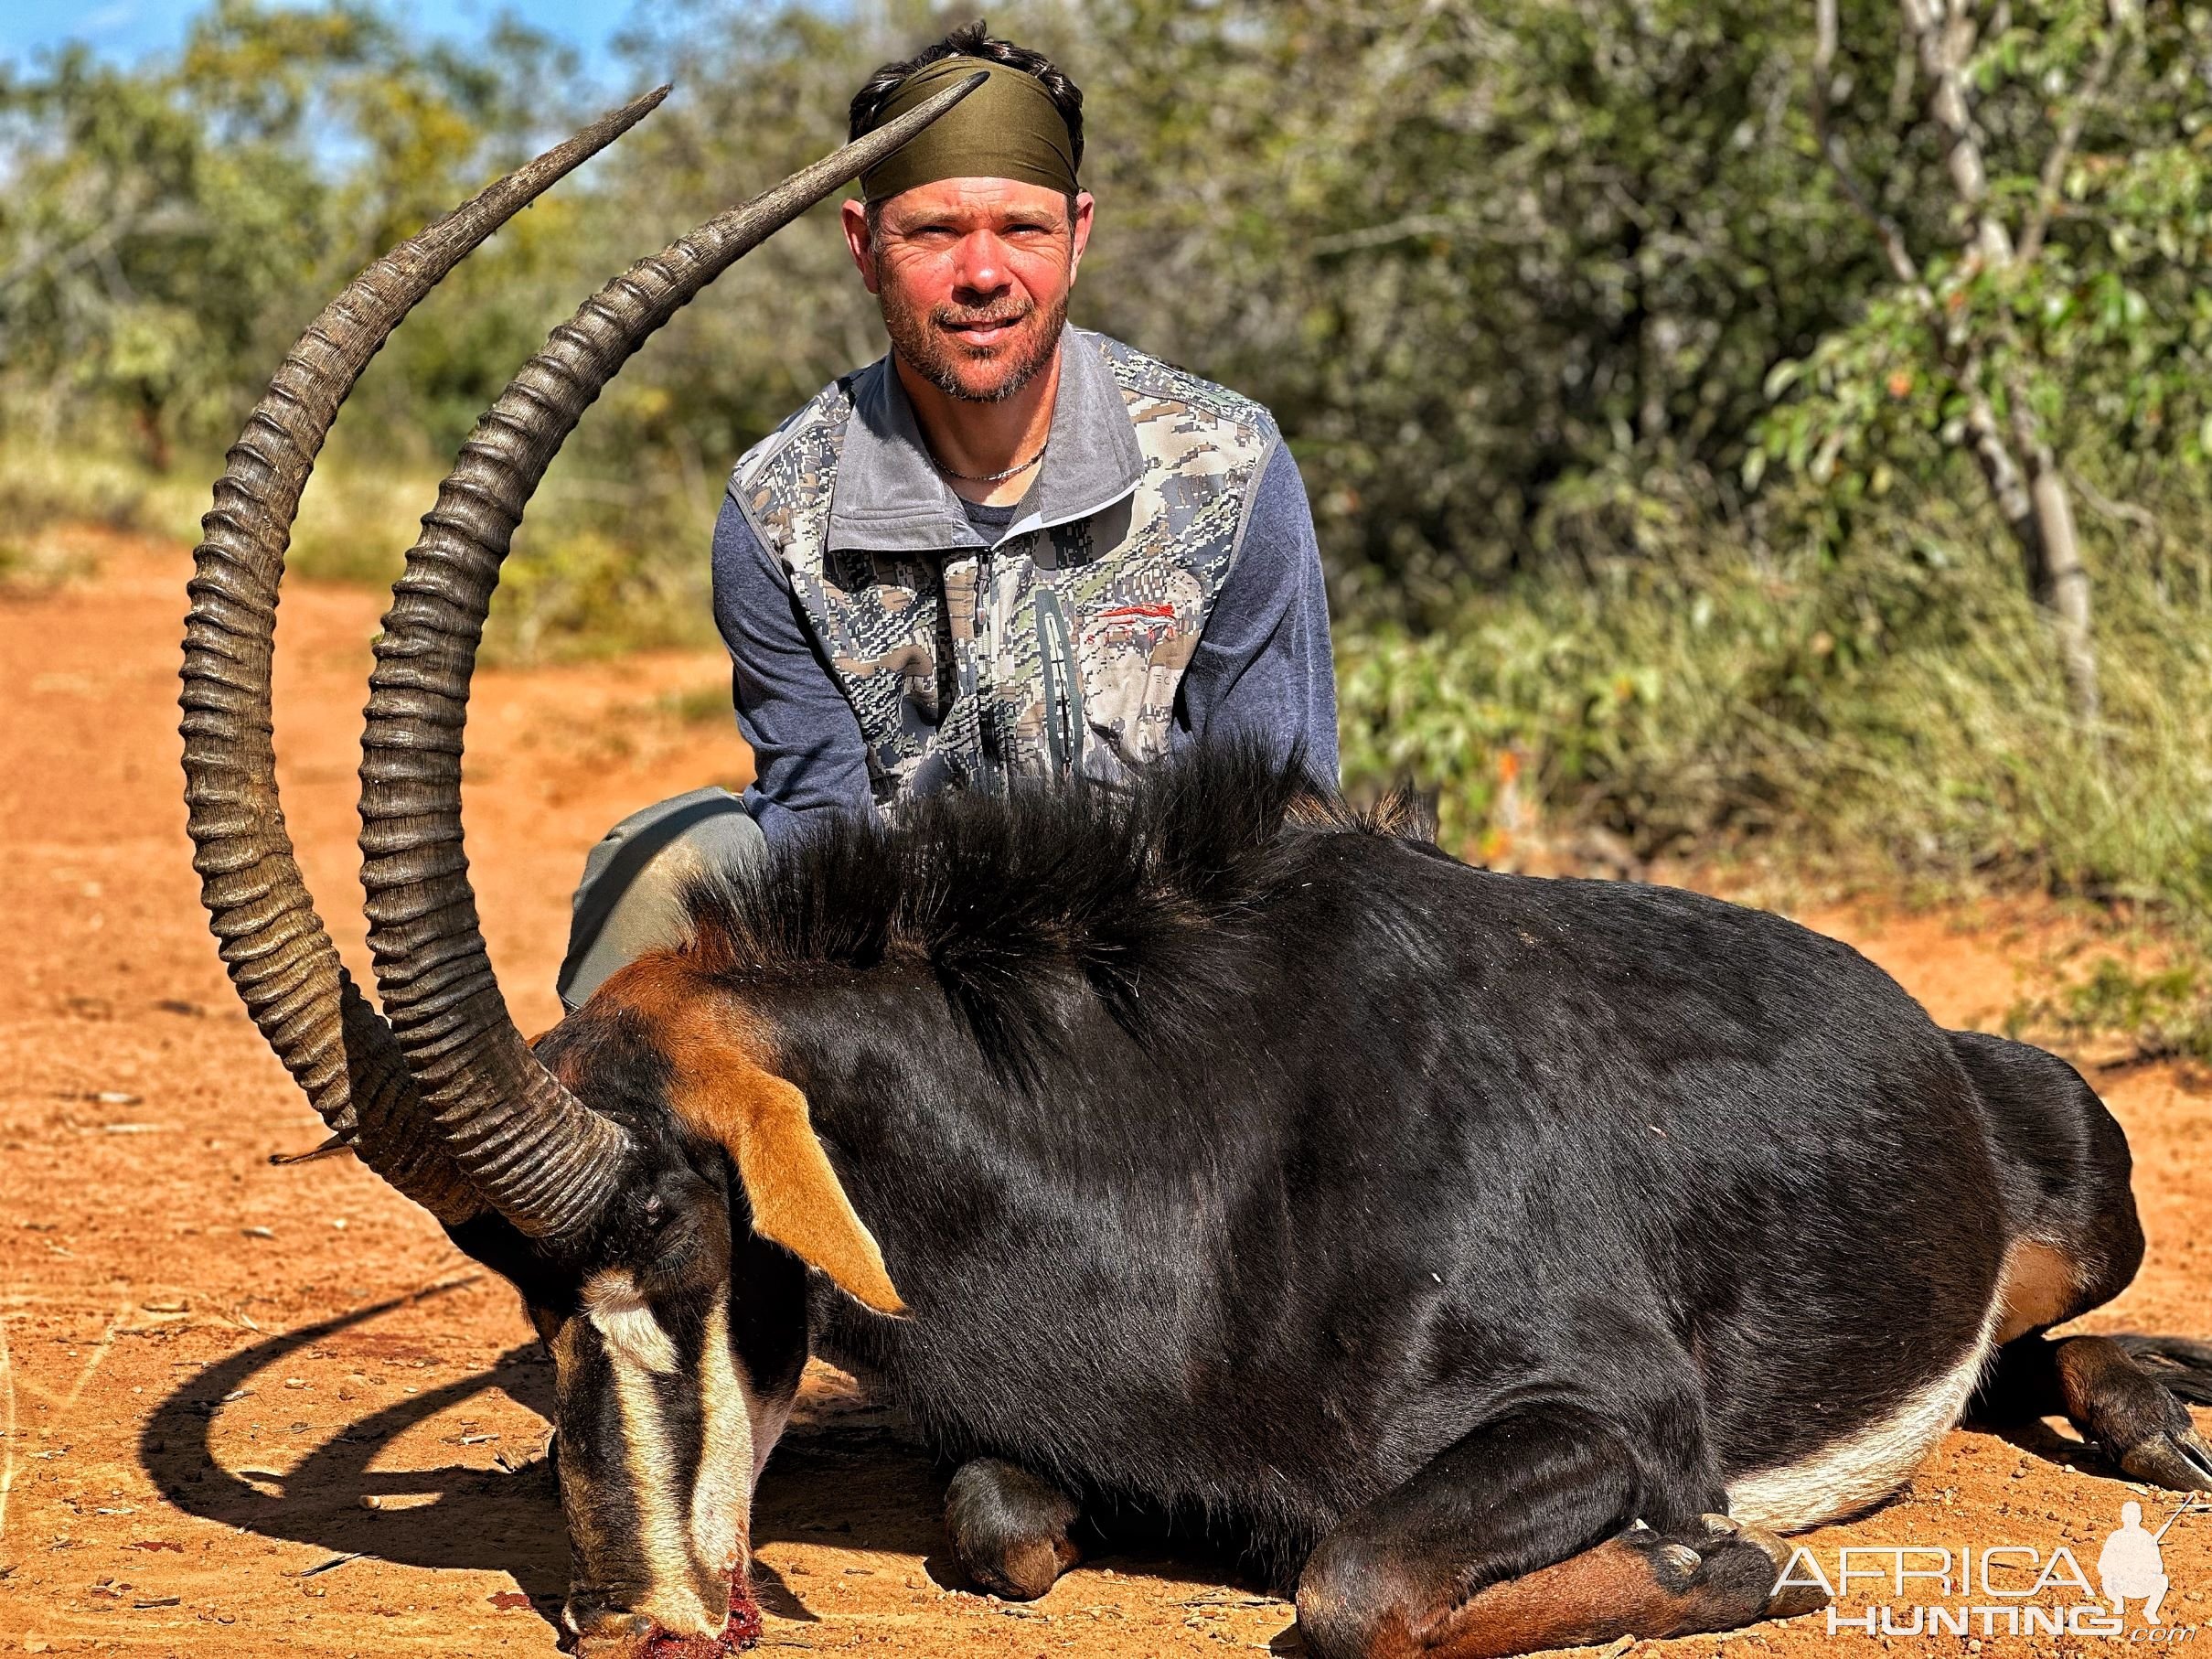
(1501, 1261)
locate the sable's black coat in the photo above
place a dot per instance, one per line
(1237, 1156)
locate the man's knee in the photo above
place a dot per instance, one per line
(630, 900)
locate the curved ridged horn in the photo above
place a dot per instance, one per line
(273, 943)
(545, 1159)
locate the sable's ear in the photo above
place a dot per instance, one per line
(723, 1092)
(796, 1197)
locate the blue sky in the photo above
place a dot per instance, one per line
(129, 30)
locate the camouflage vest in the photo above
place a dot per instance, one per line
(1057, 651)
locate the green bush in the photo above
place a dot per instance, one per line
(1896, 705)
(2164, 1012)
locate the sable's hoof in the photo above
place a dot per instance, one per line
(1009, 1530)
(2179, 1460)
(1026, 1570)
(1782, 1601)
(1675, 1567)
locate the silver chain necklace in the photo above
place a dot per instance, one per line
(990, 478)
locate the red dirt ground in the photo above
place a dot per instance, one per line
(351, 1412)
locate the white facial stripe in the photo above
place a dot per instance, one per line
(638, 1350)
(612, 1302)
(722, 1493)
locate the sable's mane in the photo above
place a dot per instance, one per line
(1007, 900)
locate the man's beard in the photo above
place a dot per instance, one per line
(923, 344)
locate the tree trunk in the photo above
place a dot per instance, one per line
(2024, 478)
(153, 435)
(2029, 489)
(2008, 485)
(2066, 578)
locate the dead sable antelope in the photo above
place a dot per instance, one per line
(1503, 1261)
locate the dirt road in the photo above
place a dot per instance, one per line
(250, 1410)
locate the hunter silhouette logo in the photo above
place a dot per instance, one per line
(2131, 1565)
(2012, 1590)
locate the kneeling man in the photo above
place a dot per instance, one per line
(1008, 549)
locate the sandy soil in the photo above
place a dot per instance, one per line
(251, 1409)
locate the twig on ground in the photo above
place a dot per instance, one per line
(7, 1448)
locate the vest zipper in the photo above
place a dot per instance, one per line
(1063, 689)
(985, 632)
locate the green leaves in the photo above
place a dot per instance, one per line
(168, 227)
(1893, 709)
(2099, 328)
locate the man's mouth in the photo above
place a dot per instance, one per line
(981, 331)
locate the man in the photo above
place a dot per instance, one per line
(1009, 549)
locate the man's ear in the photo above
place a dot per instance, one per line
(853, 216)
(796, 1195)
(1079, 229)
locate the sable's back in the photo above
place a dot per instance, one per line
(1209, 856)
(1224, 907)
(1598, 973)
(1075, 874)
(1005, 900)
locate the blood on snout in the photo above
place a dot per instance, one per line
(671, 1646)
(745, 1627)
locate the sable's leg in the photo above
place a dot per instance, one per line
(1525, 1536)
(2104, 1392)
(1009, 1530)
(630, 900)
(2077, 1250)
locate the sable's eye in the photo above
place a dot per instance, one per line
(655, 1211)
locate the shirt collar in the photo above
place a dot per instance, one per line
(890, 497)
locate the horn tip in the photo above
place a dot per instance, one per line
(642, 105)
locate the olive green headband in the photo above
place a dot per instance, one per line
(1007, 128)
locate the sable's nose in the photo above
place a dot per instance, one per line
(608, 1623)
(607, 1633)
(631, 1635)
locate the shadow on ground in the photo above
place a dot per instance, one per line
(846, 1475)
(844, 1479)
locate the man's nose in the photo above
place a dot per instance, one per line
(981, 264)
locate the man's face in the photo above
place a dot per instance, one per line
(973, 276)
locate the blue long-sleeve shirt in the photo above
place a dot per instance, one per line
(1261, 666)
